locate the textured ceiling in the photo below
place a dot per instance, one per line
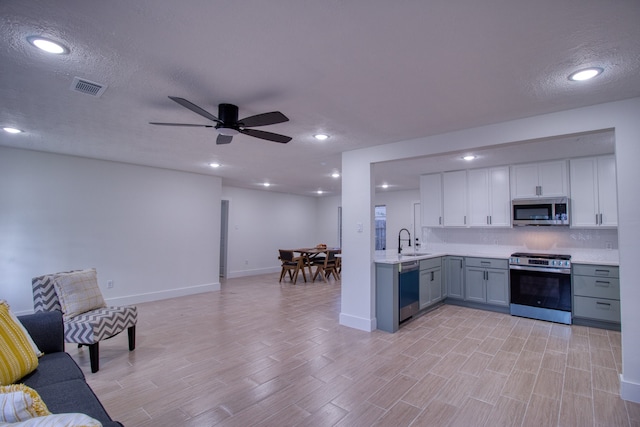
(365, 72)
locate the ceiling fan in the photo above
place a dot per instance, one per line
(227, 123)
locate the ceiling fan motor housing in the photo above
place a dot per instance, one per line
(228, 115)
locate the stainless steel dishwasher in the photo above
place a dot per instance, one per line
(408, 289)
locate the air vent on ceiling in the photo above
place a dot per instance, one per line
(88, 87)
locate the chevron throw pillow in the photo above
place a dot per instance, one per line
(78, 292)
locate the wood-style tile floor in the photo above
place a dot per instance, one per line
(268, 354)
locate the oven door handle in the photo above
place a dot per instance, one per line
(541, 270)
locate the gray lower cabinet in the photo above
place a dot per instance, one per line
(596, 293)
(387, 297)
(454, 277)
(430, 282)
(487, 281)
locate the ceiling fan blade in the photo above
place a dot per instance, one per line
(263, 119)
(266, 135)
(180, 124)
(223, 139)
(193, 107)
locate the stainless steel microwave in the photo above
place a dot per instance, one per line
(540, 211)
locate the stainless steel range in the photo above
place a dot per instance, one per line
(541, 286)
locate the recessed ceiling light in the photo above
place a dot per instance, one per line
(48, 45)
(335, 175)
(319, 191)
(320, 136)
(469, 158)
(266, 184)
(385, 185)
(214, 165)
(585, 74)
(12, 130)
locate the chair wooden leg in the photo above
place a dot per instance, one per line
(304, 276)
(94, 356)
(282, 274)
(132, 337)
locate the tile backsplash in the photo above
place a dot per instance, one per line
(524, 239)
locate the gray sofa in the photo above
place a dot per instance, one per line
(58, 379)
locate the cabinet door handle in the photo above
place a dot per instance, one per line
(602, 284)
(600, 219)
(603, 303)
(432, 276)
(489, 219)
(596, 219)
(538, 190)
(600, 272)
(465, 220)
(439, 220)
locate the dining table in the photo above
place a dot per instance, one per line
(310, 254)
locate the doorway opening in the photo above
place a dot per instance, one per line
(224, 233)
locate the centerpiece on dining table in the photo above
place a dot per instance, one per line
(321, 246)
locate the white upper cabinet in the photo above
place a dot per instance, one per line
(431, 200)
(594, 201)
(454, 199)
(547, 179)
(489, 198)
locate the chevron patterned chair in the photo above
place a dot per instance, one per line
(87, 319)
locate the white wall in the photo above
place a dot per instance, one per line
(399, 215)
(327, 221)
(260, 223)
(357, 309)
(154, 232)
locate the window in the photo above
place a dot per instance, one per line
(381, 227)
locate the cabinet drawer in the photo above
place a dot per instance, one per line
(595, 270)
(430, 263)
(487, 263)
(596, 308)
(598, 287)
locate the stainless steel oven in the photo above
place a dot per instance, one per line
(540, 286)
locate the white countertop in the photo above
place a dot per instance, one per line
(578, 256)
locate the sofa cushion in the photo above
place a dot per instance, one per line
(73, 396)
(17, 355)
(19, 403)
(53, 368)
(78, 292)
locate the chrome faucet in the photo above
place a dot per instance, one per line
(400, 240)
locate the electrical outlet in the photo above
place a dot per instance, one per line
(110, 284)
(608, 245)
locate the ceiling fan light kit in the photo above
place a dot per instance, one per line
(228, 124)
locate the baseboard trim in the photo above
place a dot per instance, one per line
(360, 323)
(629, 390)
(165, 294)
(246, 273)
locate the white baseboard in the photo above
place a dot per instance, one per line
(360, 323)
(255, 272)
(165, 294)
(629, 390)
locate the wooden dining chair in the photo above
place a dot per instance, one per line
(327, 266)
(291, 264)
